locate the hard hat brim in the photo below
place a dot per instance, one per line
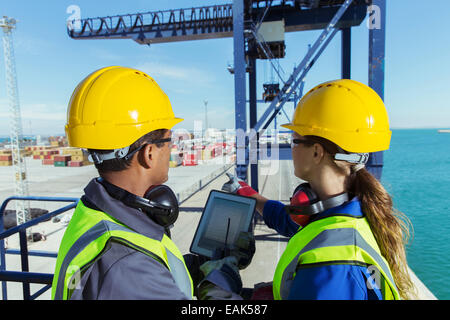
(124, 134)
(350, 141)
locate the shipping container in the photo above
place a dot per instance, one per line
(62, 158)
(75, 163)
(48, 161)
(5, 157)
(60, 163)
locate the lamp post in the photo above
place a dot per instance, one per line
(206, 114)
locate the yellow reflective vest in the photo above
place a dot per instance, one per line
(86, 239)
(334, 240)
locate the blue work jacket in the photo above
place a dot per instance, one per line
(330, 282)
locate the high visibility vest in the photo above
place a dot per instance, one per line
(89, 233)
(331, 241)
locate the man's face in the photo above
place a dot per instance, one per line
(161, 158)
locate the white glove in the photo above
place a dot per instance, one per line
(211, 265)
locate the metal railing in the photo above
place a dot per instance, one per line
(25, 276)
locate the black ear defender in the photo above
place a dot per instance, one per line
(162, 205)
(159, 203)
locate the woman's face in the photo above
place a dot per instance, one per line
(302, 155)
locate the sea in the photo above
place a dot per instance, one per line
(417, 175)
(6, 139)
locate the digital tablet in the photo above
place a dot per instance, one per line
(224, 216)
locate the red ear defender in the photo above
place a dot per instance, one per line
(305, 203)
(303, 196)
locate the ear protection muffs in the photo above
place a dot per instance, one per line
(159, 203)
(305, 203)
(302, 196)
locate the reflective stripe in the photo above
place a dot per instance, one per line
(331, 238)
(346, 237)
(81, 243)
(178, 271)
(176, 266)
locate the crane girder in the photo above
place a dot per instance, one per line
(210, 22)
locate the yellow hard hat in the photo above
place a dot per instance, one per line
(115, 106)
(346, 112)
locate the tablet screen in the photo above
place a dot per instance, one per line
(224, 217)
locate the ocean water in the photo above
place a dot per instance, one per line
(417, 175)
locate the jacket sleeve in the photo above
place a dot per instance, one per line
(275, 217)
(124, 274)
(333, 282)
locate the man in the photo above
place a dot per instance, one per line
(117, 244)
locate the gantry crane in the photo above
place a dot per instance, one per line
(20, 169)
(242, 20)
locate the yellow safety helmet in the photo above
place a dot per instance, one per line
(115, 106)
(346, 112)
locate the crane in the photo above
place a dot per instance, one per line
(20, 183)
(242, 20)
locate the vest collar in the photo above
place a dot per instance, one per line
(350, 208)
(131, 217)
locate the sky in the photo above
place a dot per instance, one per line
(50, 64)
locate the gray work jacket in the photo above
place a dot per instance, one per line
(123, 273)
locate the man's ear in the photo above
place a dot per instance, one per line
(145, 156)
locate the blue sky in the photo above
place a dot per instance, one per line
(50, 64)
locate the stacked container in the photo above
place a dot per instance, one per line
(190, 158)
(78, 158)
(61, 160)
(175, 158)
(5, 158)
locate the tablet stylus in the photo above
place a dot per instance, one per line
(226, 238)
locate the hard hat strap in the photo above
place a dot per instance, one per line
(121, 153)
(98, 158)
(359, 158)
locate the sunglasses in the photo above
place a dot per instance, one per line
(128, 156)
(295, 142)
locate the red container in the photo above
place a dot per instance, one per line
(190, 156)
(48, 161)
(189, 163)
(64, 158)
(5, 157)
(190, 159)
(75, 163)
(216, 151)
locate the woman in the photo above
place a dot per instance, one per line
(354, 249)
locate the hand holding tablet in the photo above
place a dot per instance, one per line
(223, 219)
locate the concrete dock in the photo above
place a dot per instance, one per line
(191, 184)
